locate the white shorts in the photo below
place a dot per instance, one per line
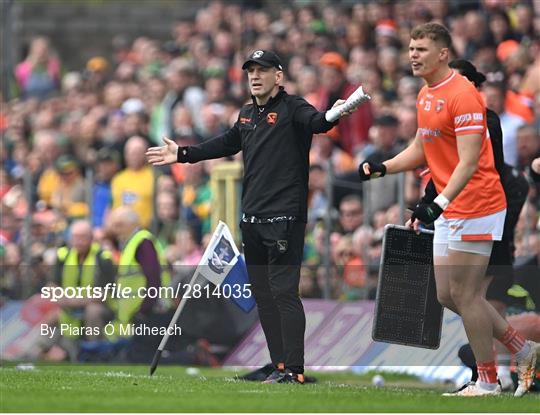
(474, 235)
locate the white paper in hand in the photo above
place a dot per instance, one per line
(354, 100)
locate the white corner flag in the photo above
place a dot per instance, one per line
(223, 265)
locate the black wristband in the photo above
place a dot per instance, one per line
(182, 155)
(382, 169)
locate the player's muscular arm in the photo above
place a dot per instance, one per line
(468, 147)
(409, 159)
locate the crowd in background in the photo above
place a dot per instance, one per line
(74, 138)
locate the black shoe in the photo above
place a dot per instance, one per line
(290, 377)
(275, 376)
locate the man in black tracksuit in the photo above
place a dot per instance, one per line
(274, 132)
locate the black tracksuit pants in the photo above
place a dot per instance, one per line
(273, 253)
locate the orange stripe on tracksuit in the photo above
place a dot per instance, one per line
(477, 237)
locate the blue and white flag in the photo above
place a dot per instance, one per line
(223, 265)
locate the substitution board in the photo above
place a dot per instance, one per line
(407, 311)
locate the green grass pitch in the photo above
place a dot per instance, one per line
(95, 388)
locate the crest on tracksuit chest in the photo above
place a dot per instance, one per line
(271, 118)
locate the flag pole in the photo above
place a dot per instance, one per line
(165, 339)
(170, 329)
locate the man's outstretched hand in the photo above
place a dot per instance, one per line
(160, 156)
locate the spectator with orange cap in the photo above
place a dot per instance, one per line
(386, 34)
(352, 131)
(506, 49)
(97, 70)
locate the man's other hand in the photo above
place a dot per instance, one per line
(160, 156)
(426, 212)
(371, 170)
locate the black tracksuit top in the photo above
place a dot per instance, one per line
(275, 146)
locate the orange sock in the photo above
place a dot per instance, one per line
(512, 340)
(487, 372)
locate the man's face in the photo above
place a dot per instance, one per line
(81, 239)
(262, 80)
(426, 56)
(69, 176)
(386, 137)
(407, 124)
(166, 207)
(177, 80)
(350, 215)
(331, 78)
(132, 125)
(528, 144)
(106, 169)
(494, 99)
(134, 153)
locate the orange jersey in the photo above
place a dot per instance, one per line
(446, 110)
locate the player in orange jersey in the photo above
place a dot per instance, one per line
(469, 212)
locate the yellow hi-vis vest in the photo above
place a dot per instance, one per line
(131, 275)
(77, 275)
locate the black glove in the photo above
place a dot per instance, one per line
(426, 212)
(376, 169)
